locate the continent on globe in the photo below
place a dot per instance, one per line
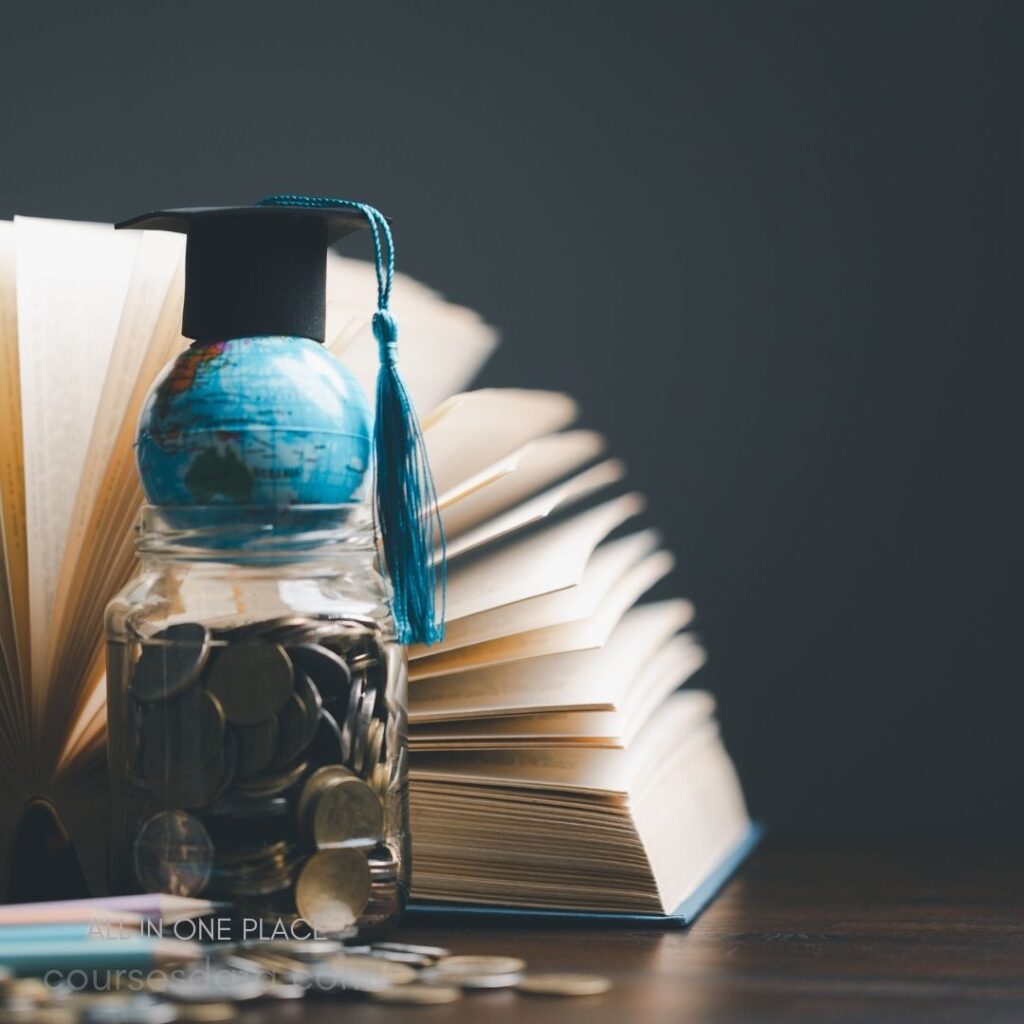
(213, 475)
(256, 421)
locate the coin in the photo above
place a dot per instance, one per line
(115, 1008)
(257, 744)
(301, 949)
(476, 963)
(365, 715)
(270, 784)
(194, 789)
(173, 854)
(359, 973)
(170, 662)
(206, 1013)
(326, 745)
(252, 680)
(214, 983)
(313, 787)
(333, 889)
(398, 957)
(564, 984)
(327, 670)
(435, 952)
(346, 812)
(374, 747)
(469, 979)
(351, 723)
(181, 734)
(298, 720)
(417, 995)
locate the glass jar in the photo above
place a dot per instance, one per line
(257, 738)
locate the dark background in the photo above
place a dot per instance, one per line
(773, 249)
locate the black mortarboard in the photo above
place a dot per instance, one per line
(254, 270)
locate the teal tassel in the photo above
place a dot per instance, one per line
(405, 501)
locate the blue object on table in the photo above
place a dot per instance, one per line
(271, 421)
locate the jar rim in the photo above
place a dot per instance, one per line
(251, 532)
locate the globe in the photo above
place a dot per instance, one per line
(267, 421)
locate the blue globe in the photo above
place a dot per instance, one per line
(254, 421)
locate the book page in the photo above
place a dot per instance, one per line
(527, 471)
(667, 670)
(14, 627)
(606, 566)
(474, 430)
(575, 635)
(93, 563)
(71, 284)
(567, 769)
(596, 679)
(535, 509)
(551, 559)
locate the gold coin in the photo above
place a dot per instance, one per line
(251, 679)
(564, 984)
(347, 811)
(417, 995)
(333, 889)
(474, 963)
(205, 1013)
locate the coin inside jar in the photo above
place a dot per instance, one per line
(326, 669)
(333, 889)
(170, 661)
(251, 679)
(181, 734)
(346, 812)
(298, 720)
(257, 744)
(173, 854)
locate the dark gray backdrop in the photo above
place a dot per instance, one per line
(773, 248)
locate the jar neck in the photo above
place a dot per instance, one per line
(319, 536)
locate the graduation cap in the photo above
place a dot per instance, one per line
(261, 270)
(254, 270)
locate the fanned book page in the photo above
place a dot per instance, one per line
(553, 765)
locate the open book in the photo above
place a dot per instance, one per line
(549, 701)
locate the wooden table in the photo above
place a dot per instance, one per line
(804, 932)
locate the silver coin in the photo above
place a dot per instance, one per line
(171, 661)
(349, 726)
(215, 983)
(357, 973)
(398, 957)
(299, 949)
(298, 720)
(435, 952)
(363, 718)
(329, 672)
(479, 963)
(115, 1008)
(173, 854)
(469, 980)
